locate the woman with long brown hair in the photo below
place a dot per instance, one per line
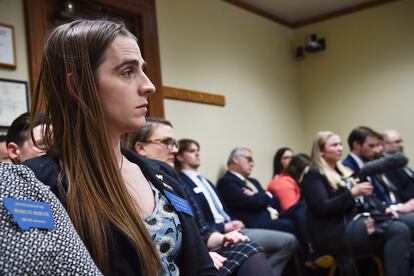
(335, 226)
(94, 89)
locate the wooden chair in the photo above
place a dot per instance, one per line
(376, 259)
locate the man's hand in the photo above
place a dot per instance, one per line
(218, 260)
(406, 207)
(393, 213)
(247, 192)
(233, 237)
(234, 225)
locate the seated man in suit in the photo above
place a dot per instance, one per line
(366, 145)
(403, 178)
(278, 245)
(245, 197)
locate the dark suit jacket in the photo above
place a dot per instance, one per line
(124, 259)
(249, 209)
(351, 163)
(203, 203)
(380, 191)
(403, 182)
(328, 211)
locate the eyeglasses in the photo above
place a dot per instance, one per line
(248, 158)
(168, 142)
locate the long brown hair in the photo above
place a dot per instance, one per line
(76, 130)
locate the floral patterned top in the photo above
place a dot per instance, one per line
(165, 228)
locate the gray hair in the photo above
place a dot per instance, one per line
(236, 152)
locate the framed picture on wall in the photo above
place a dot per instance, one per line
(7, 46)
(13, 100)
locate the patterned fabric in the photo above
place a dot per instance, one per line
(38, 252)
(165, 229)
(236, 254)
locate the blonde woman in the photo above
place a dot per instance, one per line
(333, 225)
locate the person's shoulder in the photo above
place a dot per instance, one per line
(348, 160)
(253, 180)
(46, 168)
(228, 176)
(312, 170)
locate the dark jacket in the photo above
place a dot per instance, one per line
(252, 210)
(328, 211)
(351, 163)
(403, 179)
(193, 258)
(203, 203)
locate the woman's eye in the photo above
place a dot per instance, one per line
(127, 73)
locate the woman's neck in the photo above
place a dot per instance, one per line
(116, 147)
(332, 165)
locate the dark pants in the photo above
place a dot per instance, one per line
(394, 243)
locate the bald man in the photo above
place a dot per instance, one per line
(403, 179)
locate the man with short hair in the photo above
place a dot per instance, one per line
(403, 178)
(393, 141)
(245, 197)
(20, 146)
(364, 145)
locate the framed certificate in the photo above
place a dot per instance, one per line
(13, 100)
(7, 46)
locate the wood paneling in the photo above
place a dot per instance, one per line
(193, 96)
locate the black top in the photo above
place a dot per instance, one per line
(193, 258)
(328, 210)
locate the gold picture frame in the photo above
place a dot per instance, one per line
(7, 46)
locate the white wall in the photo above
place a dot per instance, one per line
(366, 75)
(11, 13)
(215, 47)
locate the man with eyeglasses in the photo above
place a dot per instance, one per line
(245, 197)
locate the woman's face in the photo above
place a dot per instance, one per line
(286, 158)
(123, 86)
(161, 145)
(332, 151)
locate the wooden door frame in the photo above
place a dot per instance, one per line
(36, 32)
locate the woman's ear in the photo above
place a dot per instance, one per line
(139, 148)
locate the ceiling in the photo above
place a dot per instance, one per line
(296, 13)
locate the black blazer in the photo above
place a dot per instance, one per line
(252, 210)
(193, 258)
(328, 211)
